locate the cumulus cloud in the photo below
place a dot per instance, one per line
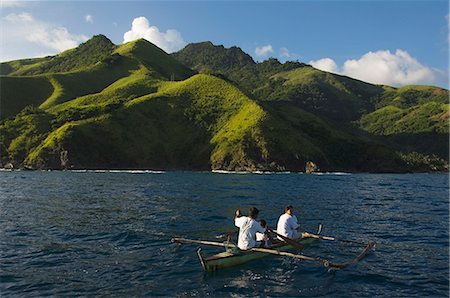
(264, 50)
(28, 37)
(382, 67)
(170, 41)
(325, 64)
(89, 19)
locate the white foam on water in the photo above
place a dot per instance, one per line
(120, 171)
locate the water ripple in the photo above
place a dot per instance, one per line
(108, 234)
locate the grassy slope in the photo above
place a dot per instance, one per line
(412, 119)
(329, 95)
(332, 96)
(19, 135)
(232, 64)
(156, 59)
(11, 67)
(71, 85)
(389, 120)
(170, 128)
(18, 92)
(84, 56)
(201, 123)
(411, 109)
(322, 93)
(47, 90)
(76, 73)
(131, 71)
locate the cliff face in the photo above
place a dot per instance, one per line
(135, 107)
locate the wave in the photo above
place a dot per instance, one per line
(332, 173)
(249, 172)
(120, 171)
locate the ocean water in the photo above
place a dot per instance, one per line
(108, 233)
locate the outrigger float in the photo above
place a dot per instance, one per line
(234, 257)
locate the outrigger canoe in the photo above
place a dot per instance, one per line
(234, 257)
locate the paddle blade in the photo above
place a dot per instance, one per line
(289, 241)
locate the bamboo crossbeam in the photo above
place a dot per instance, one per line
(287, 254)
(184, 240)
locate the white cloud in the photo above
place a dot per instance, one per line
(17, 18)
(28, 37)
(382, 67)
(325, 64)
(89, 19)
(264, 50)
(12, 3)
(170, 41)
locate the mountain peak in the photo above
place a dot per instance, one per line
(99, 39)
(206, 55)
(155, 58)
(85, 55)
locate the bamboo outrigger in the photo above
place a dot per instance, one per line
(233, 256)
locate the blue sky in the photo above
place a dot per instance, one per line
(392, 42)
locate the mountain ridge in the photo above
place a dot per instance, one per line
(139, 107)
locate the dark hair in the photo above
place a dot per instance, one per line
(288, 208)
(253, 212)
(263, 223)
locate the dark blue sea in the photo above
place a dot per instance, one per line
(108, 234)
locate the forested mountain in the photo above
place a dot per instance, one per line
(133, 106)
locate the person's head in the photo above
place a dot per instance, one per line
(253, 212)
(263, 223)
(289, 210)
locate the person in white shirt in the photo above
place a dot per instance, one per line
(248, 227)
(288, 225)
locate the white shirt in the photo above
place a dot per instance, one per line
(287, 226)
(248, 227)
(261, 237)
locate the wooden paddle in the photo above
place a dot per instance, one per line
(289, 241)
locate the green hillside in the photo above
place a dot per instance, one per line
(232, 64)
(389, 120)
(411, 118)
(411, 109)
(332, 96)
(85, 55)
(203, 122)
(16, 93)
(134, 106)
(83, 76)
(7, 68)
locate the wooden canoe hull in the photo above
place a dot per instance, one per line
(230, 259)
